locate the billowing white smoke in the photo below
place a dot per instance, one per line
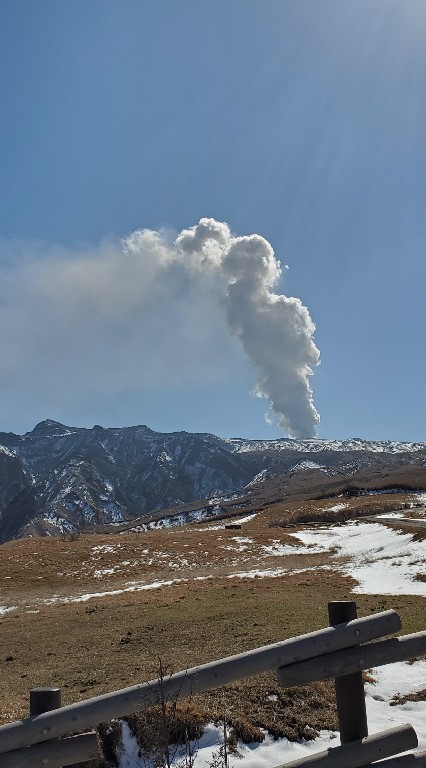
(153, 312)
(276, 331)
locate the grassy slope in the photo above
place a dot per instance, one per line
(107, 643)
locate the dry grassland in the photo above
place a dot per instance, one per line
(114, 641)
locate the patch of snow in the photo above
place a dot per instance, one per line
(306, 464)
(236, 548)
(66, 490)
(258, 478)
(226, 521)
(7, 609)
(112, 509)
(268, 753)
(278, 549)
(132, 587)
(245, 519)
(390, 514)
(242, 539)
(63, 525)
(183, 518)
(7, 452)
(129, 757)
(106, 548)
(255, 573)
(197, 515)
(400, 677)
(164, 457)
(104, 572)
(395, 678)
(380, 558)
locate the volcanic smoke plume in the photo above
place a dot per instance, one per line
(151, 312)
(276, 331)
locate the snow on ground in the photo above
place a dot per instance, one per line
(259, 573)
(382, 560)
(194, 516)
(63, 525)
(276, 549)
(400, 678)
(272, 573)
(337, 507)
(104, 572)
(227, 521)
(258, 478)
(241, 544)
(390, 680)
(268, 753)
(140, 586)
(7, 452)
(105, 548)
(6, 609)
(306, 464)
(388, 515)
(135, 586)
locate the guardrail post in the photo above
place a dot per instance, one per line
(44, 700)
(350, 697)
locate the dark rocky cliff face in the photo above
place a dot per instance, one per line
(59, 479)
(63, 479)
(13, 477)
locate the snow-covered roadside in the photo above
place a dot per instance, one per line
(383, 561)
(400, 678)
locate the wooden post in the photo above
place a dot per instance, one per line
(44, 700)
(350, 695)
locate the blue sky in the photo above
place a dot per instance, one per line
(303, 121)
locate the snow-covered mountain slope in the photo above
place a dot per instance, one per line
(59, 479)
(316, 446)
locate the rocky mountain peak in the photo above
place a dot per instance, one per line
(57, 478)
(49, 427)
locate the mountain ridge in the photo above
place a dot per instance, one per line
(58, 479)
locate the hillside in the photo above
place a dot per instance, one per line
(60, 480)
(97, 612)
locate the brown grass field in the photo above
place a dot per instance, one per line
(113, 641)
